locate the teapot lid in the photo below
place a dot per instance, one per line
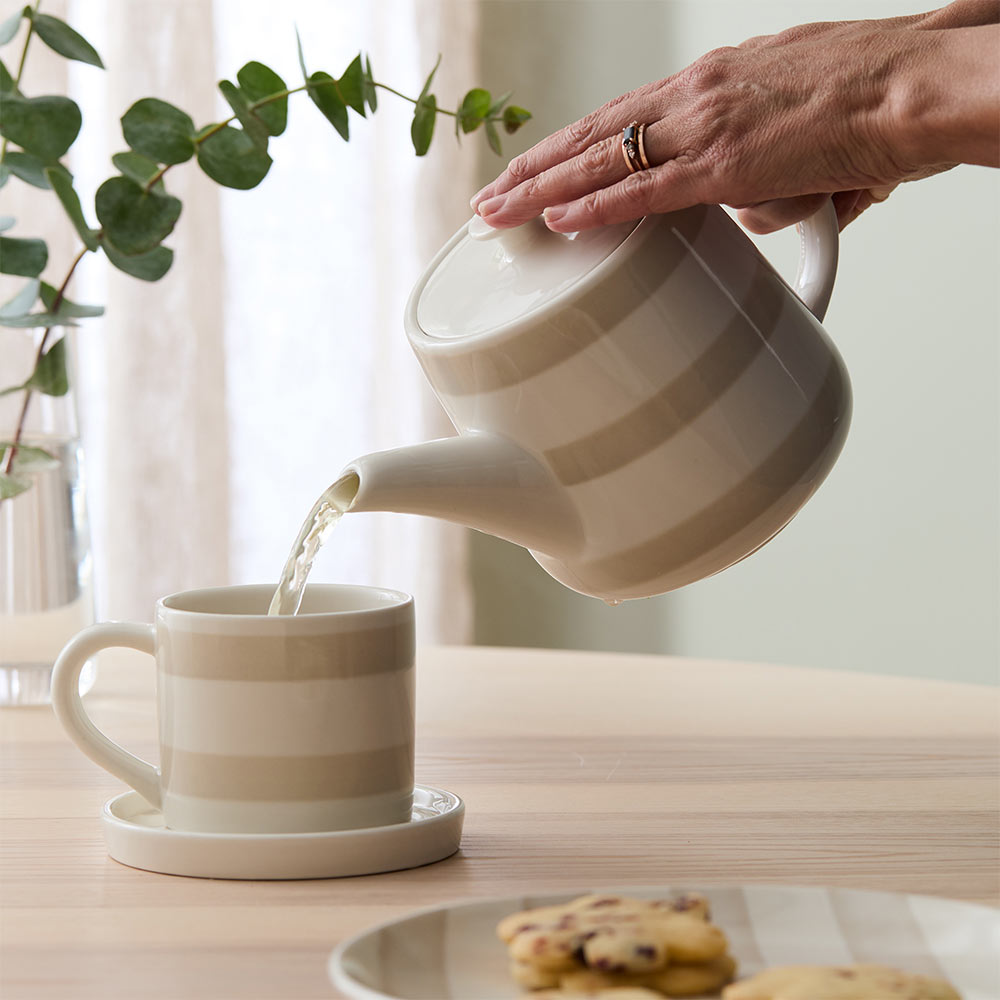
(487, 278)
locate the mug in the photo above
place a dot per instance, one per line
(267, 724)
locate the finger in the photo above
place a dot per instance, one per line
(676, 184)
(598, 166)
(572, 140)
(770, 216)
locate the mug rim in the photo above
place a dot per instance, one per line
(391, 600)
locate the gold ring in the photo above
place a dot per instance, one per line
(634, 148)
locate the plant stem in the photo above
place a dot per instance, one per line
(20, 67)
(56, 303)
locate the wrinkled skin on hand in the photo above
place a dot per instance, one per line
(771, 127)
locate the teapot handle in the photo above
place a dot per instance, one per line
(819, 244)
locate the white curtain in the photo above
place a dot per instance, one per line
(219, 402)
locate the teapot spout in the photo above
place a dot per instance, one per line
(477, 479)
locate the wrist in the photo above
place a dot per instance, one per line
(944, 99)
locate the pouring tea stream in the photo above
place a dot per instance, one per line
(640, 406)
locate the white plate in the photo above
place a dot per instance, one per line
(136, 836)
(452, 952)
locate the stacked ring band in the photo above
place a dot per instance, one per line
(633, 147)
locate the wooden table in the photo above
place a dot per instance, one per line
(578, 769)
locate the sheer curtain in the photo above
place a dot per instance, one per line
(219, 402)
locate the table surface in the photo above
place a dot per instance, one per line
(578, 770)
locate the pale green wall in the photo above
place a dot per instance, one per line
(894, 566)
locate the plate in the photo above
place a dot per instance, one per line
(453, 953)
(136, 836)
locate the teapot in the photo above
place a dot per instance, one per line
(640, 405)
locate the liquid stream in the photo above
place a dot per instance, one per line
(326, 512)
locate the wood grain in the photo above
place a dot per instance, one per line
(578, 769)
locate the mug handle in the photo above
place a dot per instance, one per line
(819, 246)
(66, 701)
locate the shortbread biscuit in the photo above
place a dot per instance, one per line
(672, 981)
(841, 982)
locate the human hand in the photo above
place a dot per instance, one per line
(772, 127)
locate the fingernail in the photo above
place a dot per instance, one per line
(491, 205)
(477, 198)
(554, 214)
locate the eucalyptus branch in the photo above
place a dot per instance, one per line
(135, 213)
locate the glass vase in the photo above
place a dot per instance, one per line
(46, 588)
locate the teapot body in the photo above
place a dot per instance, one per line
(682, 398)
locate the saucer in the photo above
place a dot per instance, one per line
(136, 836)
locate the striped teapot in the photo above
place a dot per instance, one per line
(640, 405)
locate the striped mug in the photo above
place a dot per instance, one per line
(640, 405)
(267, 724)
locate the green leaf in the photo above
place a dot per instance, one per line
(259, 83)
(368, 81)
(6, 222)
(422, 126)
(7, 84)
(252, 125)
(29, 459)
(499, 103)
(149, 266)
(31, 321)
(66, 308)
(140, 168)
(427, 82)
(8, 29)
(135, 220)
(25, 257)
(30, 169)
(351, 86)
(493, 138)
(159, 130)
(513, 118)
(43, 126)
(473, 109)
(62, 184)
(11, 485)
(302, 58)
(231, 158)
(61, 38)
(23, 301)
(323, 91)
(49, 376)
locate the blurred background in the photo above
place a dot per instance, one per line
(219, 402)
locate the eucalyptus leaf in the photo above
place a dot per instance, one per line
(427, 82)
(62, 184)
(7, 84)
(302, 58)
(422, 126)
(140, 168)
(252, 125)
(30, 169)
(493, 138)
(49, 376)
(231, 158)
(66, 308)
(474, 108)
(351, 86)
(158, 130)
(61, 38)
(499, 103)
(513, 118)
(28, 458)
(323, 92)
(25, 257)
(8, 29)
(261, 83)
(6, 222)
(32, 321)
(149, 266)
(43, 126)
(23, 301)
(135, 220)
(368, 80)
(11, 485)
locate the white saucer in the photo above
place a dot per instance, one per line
(136, 836)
